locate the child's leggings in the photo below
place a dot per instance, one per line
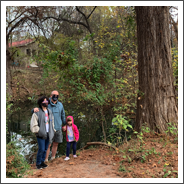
(74, 146)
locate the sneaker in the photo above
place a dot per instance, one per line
(44, 165)
(67, 158)
(39, 166)
(52, 158)
(46, 160)
(75, 156)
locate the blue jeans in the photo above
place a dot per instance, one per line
(74, 146)
(42, 149)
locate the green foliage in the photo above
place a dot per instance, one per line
(115, 133)
(92, 71)
(121, 122)
(122, 168)
(139, 136)
(90, 82)
(171, 129)
(8, 109)
(144, 129)
(129, 159)
(143, 159)
(89, 36)
(15, 162)
(167, 172)
(33, 99)
(18, 54)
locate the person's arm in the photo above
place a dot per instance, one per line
(36, 109)
(34, 124)
(53, 122)
(63, 116)
(76, 133)
(64, 128)
(32, 111)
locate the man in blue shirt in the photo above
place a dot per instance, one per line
(59, 118)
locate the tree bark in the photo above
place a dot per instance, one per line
(175, 27)
(8, 72)
(156, 103)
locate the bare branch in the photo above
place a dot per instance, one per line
(16, 25)
(88, 27)
(16, 18)
(63, 19)
(13, 53)
(91, 12)
(81, 12)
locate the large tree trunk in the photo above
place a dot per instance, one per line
(157, 105)
(8, 72)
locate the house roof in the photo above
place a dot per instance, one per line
(21, 43)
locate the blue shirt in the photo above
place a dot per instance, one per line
(59, 114)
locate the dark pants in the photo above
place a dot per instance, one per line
(42, 149)
(74, 146)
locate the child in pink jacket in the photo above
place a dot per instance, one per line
(72, 136)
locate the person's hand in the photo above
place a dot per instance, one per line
(36, 109)
(64, 128)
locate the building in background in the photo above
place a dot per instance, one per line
(24, 51)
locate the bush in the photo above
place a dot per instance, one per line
(16, 165)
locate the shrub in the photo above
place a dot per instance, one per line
(16, 165)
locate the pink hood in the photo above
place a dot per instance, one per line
(75, 130)
(71, 118)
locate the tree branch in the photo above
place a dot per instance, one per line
(16, 18)
(13, 53)
(91, 12)
(81, 12)
(15, 25)
(63, 19)
(88, 27)
(19, 16)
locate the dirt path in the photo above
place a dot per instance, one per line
(98, 163)
(158, 158)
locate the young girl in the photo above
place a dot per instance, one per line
(72, 136)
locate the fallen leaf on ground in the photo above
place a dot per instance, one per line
(71, 163)
(167, 163)
(39, 174)
(116, 158)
